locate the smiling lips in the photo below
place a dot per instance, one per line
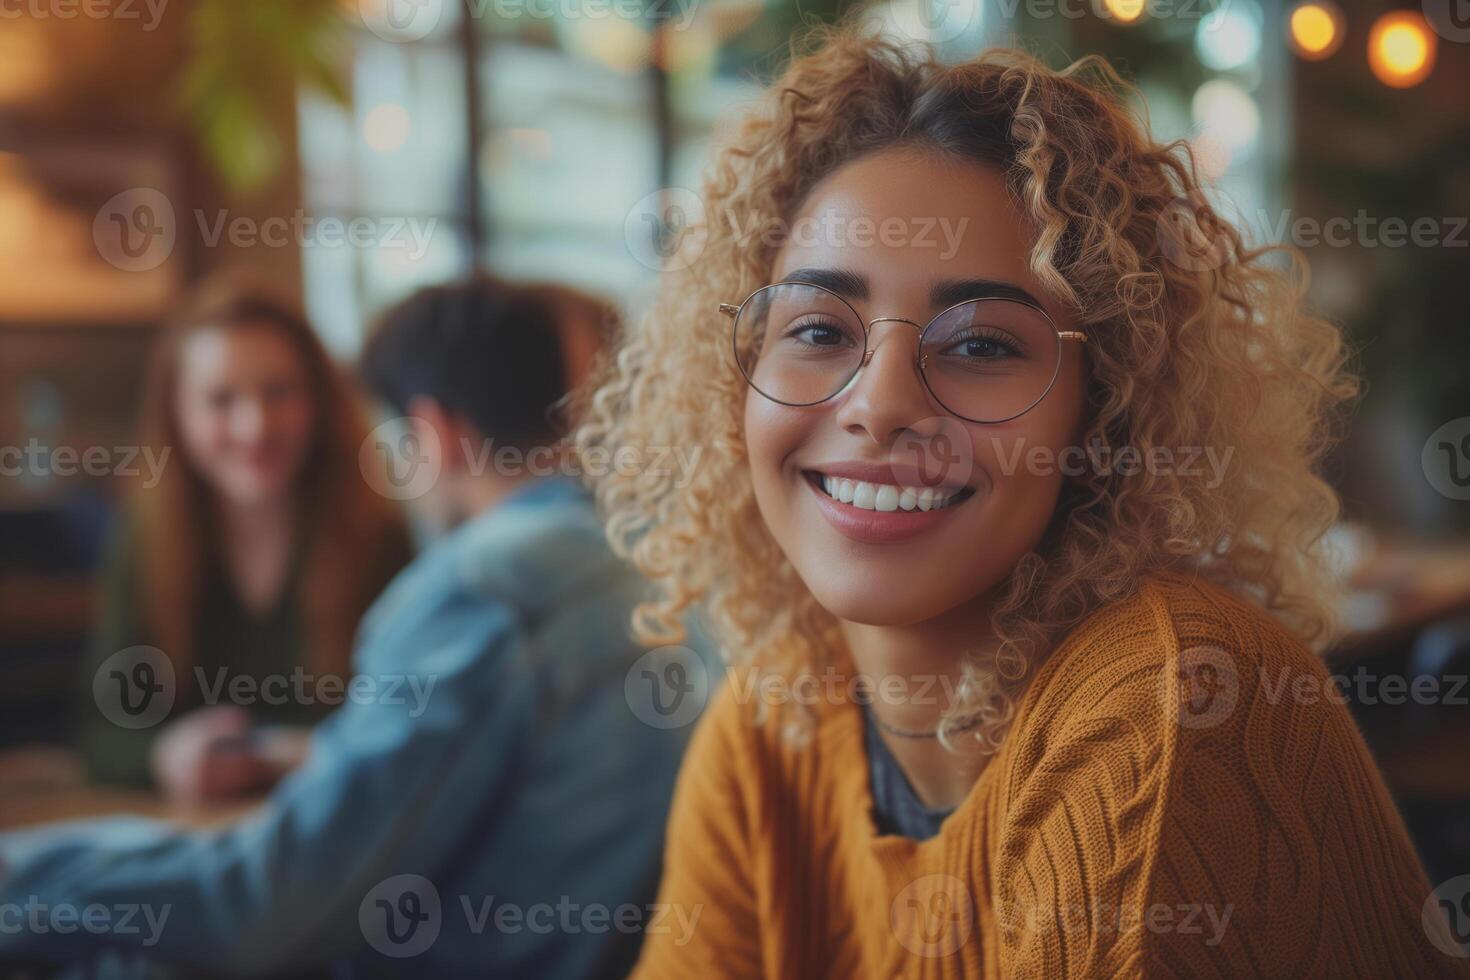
(876, 511)
(885, 497)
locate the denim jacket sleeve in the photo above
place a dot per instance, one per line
(395, 780)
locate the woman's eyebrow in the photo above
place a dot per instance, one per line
(952, 291)
(848, 285)
(854, 286)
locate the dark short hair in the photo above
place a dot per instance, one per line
(484, 349)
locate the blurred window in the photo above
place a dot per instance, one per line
(520, 134)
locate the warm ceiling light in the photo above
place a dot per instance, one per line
(1124, 11)
(1401, 49)
(1316, 29)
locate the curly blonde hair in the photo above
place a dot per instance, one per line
(1197, 340)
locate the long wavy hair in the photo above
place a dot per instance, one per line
(1197, 340)
(355, 539)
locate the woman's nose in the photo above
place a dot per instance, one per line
(248, 420)
(887, 396)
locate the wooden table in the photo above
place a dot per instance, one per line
(45, 785)
(1413, 585)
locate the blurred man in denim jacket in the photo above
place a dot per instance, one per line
(490, 801)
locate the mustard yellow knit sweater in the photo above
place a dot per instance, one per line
(1171, 801)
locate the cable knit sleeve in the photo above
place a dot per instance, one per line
(1191, 798)
(707, 897)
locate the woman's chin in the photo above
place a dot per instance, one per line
(879, 604)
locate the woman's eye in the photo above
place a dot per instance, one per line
(819, 334)
(981, 347)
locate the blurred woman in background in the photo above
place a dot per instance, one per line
(253, 558)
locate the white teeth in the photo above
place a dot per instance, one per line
(883, 497)
(887, 498)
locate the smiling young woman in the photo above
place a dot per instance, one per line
(1068, 753)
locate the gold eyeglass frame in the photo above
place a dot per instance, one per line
(733, 312)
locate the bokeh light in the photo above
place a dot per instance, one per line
(1401, 49)
(1230, 37)
(1316, 29)
(385, 128)
(1226, 114)
(1124, 11)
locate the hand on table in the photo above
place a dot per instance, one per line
(207, 757)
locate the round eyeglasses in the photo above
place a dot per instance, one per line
(984, 360)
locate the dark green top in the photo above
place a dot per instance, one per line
(230, 642)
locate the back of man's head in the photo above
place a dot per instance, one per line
(485, 350)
